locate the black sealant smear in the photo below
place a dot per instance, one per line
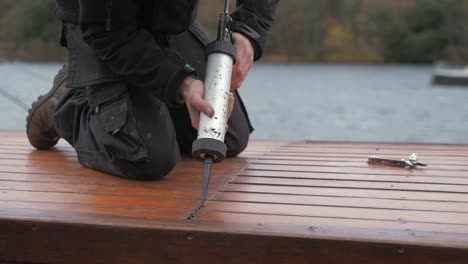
(206, 182)
(195, 211)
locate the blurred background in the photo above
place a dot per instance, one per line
(333, 69)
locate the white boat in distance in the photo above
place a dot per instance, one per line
(450, 75)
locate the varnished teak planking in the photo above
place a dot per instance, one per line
(280, 202)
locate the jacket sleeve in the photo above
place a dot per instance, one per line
(254, 18)
(129, 50)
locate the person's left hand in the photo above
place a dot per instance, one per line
(244, 60)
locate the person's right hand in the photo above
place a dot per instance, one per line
(192, 91)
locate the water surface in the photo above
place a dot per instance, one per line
(307, 101)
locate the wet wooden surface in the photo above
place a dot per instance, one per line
(279, 202)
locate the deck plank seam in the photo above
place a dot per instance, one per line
(397, 220)
(359, 180)
(341, 206)
(352, 188)
(354, 196)
(338, 172)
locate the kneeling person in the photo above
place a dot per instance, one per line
(130, 96)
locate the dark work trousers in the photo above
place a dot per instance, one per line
(128, 132)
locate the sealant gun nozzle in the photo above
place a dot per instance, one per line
(206, 182)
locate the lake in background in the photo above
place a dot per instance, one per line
(306, 101)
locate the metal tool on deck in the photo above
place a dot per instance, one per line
(209, 146)
(412, 162)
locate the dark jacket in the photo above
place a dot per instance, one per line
(127, 40)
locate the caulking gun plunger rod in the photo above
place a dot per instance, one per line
(209, 146)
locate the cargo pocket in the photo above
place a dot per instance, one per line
(115, 131)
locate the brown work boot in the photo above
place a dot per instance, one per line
(40, 126)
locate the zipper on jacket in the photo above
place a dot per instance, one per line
(109, 15)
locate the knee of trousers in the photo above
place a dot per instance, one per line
(236, 143)
(154, 169)
(147, 170)
(129, 131)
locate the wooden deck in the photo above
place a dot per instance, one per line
(280, 202)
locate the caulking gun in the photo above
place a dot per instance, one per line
(209, 146)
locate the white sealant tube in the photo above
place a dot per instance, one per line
(217, 89)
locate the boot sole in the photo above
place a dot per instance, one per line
(58, 81)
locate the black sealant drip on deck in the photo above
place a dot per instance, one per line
(206, 182)
(195, 211)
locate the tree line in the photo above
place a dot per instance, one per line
(354, 31)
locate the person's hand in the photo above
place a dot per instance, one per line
(192, 91)
(244, 60)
